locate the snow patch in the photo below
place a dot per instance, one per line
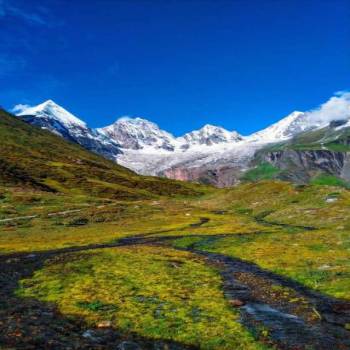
(49, 109)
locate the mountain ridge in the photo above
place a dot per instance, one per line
(202, 155)
(50, 116)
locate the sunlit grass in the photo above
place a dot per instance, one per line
(156, 292)
(318, 259)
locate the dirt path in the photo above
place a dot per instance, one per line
(54, 214)
(19, 218)
(293, 316)
(28, 217)
(288, 314)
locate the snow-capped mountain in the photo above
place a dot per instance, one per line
(211, 154)
(209, 135)
(56, 119)
(284, 129)
(51, 111)
(139, 134)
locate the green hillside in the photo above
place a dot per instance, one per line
(34, 158)
(316, 156)
(329, 138)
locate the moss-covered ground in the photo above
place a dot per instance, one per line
(301, 232)
(158, 293)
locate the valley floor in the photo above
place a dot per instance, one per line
(259, 266)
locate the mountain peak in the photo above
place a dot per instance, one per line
(50, 102)
(285, 128)
(210, 135)
(50, 116)
(138, 133)
(135, 121)
(212, 128)
(51, 110)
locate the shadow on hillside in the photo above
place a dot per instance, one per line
(31, 324)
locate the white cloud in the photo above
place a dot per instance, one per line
(19, 108)
(336, 108)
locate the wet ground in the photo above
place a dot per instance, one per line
(290, 315)
(277, 310)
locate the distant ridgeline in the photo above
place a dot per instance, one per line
(298, 148)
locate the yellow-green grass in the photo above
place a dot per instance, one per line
(283, 202)
(16, 202)
(230, 211)
(93, 225)
(318, 259)
(36, 159)
(156, 292)
(103, 221)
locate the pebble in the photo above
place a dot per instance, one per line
(128, 345)
(236, 302)
(331, 200)
(104, 324)
(90, 334)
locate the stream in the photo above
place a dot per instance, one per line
(318, 323)
(302, 320)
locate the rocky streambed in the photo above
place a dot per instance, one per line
(278, 311)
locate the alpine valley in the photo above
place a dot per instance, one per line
(302, 147)
(96, 257)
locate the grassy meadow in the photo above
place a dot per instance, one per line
(163, 293)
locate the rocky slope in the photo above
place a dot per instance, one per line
(52, 117)
(211, 154)
(302, 165)
(308, 154)
(138, 134)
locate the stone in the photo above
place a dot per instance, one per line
(128, 345)
(331, 199)
(104, 324)
(91, 335)
(236, 302)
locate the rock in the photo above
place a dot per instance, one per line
(236, 302)
(331, 199)
(91, 335)
(104, 324)
(128, 345)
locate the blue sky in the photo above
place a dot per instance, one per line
(238, 64)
